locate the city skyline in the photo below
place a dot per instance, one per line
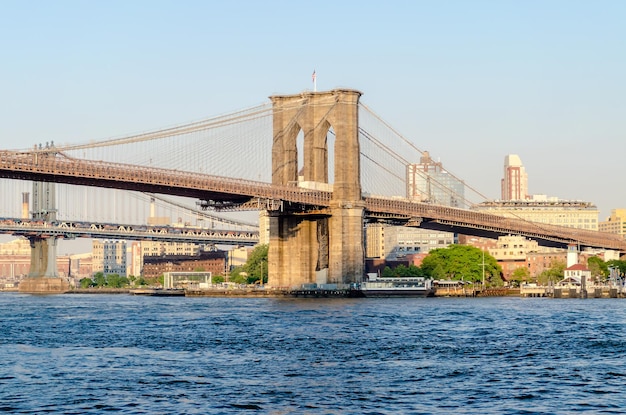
(467, 81)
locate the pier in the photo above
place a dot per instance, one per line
(573, 291)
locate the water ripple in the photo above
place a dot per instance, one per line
(142, 355)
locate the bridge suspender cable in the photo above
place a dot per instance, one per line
(537, 225)
(220, 121)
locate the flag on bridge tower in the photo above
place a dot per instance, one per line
(314, 78)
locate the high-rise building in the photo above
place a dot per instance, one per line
(429, 182)
(515, 181)
(616, 223)
(109, 257)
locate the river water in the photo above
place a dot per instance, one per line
(88, 354)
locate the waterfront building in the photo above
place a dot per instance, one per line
(395, 242)
(264, 227)
(541, 209)
(109, 257)
(135, 258)
(616, 223)
(511, 253)
(238, 257)
(539, 262)
(576, 273)
(14, 262)
(18, 246)
(515, 181)
(160, 248)
(515, 251)
(79, 266)
(210, 261)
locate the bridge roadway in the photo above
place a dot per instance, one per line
(231, 193)
(71, 230)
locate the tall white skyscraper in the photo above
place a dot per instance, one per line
(515, 181)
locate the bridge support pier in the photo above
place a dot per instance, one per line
(296, 255)
(346, 244)
(324, 246)
(43, 277)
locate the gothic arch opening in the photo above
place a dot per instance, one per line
(300, 155)
(330, 145)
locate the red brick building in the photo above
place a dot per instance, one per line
(214, 262)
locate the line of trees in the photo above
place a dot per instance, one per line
(463, 262)
(100, 280)
(456, 262)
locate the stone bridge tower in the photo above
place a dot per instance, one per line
(317, 246)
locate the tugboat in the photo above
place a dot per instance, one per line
(376, 286)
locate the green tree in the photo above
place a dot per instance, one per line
(237, 275)
(152, 281)
(599, 269)
(620, 265)
(86, 283)
(218, 279)
(402, 271)
(462, 262)
(553, 274)
(113, 280)
(116, 281)
(387, 272)
(256, 265)
(99, 279)
(438, 273)
(520, 275)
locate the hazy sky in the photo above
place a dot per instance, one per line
(469, 81)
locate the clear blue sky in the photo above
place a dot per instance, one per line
(469, 81)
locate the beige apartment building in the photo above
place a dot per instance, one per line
(395, 242)
(571, 214)
(616, 223)
(109, 257)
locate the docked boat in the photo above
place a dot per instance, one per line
(397, 287)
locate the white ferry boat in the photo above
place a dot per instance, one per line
(396, 287)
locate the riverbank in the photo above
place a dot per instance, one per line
(283, 292)
(253, 292)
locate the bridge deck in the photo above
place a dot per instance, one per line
(223, 192)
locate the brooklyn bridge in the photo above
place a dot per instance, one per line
(321, 164)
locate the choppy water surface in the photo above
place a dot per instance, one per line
(77, 354)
